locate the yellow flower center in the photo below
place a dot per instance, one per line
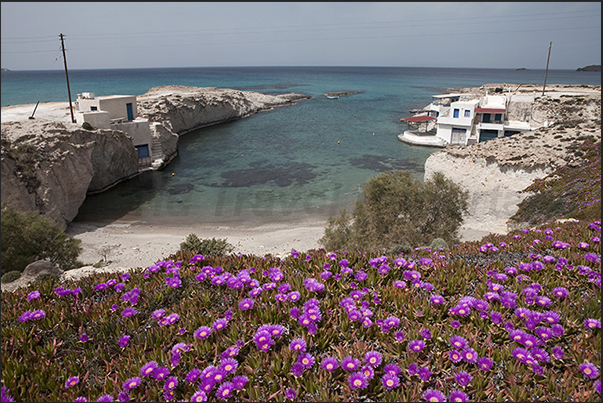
(305, 361)
(329, 366)
(357, 382)
(171, 385)
(390, 382)
(132, 384)
(228, 367)
(433, 399)
(587, 371)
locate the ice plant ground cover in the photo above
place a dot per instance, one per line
(514, 317)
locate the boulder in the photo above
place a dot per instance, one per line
(39, 267)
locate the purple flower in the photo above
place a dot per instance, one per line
(297, 369)
(84, 337)
(426, 334)
(170, 383)
(219, 324)
(290, 393)
(455, 356)
(129, 311)
(33, 295)
(424, 373)
(131, 383)
(455, 324)
(416, 345)
(458, 396)
(160, 373)
(463, 378)
(306, 359)
(72, 381)
(329, 363)
(193, 375)
(298, 345)
(105, 398)
(199, 396)
(123, 397)
(373, 358)
(544, 333)
(589, 370)
(558, 352)
(148, 368)
(469, 355)
(592, 323)
(245, 303)
(390, 381)
(436, 299)
(484, 363)
(202, 332)
(239, 382)
(391, 368)
(520, 353)
(432, 395)
(597, 385)
(225, 391)
(357, 380)
(123, 341)
(229, 365)
(458, 342)
(350, 363)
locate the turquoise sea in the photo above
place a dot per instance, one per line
(293, 163)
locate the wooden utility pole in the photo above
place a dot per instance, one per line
(547, 68)
(67, 76)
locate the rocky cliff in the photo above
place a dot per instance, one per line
(495, 171)
(182, 109)
(50, 164)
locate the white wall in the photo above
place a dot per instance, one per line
(139, 129)
(98, 119)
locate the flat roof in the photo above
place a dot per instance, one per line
(424, 118)
(489, 110)
(447, 95)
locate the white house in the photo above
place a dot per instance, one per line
(463, 119)
(116, 112)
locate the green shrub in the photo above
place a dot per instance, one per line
(397, 210)
(206, 247)
(10, 276)
(438, 243)
(27, 237)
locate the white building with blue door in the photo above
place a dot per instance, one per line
(463, 119)
(116, 112)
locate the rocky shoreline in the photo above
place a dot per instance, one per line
(49, 164)
(495, 171)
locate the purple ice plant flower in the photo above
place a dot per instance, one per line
(357, 380)
(84, 337)
(33, 295)
(455, 356)
(458, 396)
(129, 311)
(298, 345)
(484, 363)
(72, 381)
(432, 395)
(329, 364)
(124, 341)
(224, 391)
(105, 398)
(589, 370)
(592, 324)
(199, 396)
(458, 342)
(463, 378)
(416, 345)
(148, 368)
(390, 381)
(131, 383)
(469, 355)
(170, 383)
(239, 382)
(219, 324)
(193, 375)
(245, 304)
(350, 363)
(436, 299)
(424, 373)
(160, 373)
(202, 332)
(290, 393)
(297, 369)
(373, 358)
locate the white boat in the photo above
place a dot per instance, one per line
(332, 96)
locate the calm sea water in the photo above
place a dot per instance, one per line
(292, 163)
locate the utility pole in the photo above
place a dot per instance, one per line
(67, 76)
(547, 68)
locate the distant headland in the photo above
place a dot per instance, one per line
(592, 67)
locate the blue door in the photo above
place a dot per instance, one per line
(129, 112)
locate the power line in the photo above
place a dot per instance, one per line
(290, 28)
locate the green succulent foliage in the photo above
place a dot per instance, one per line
(27, 237)
(397, 210)
(206, 247)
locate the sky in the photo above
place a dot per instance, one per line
(105, 35)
